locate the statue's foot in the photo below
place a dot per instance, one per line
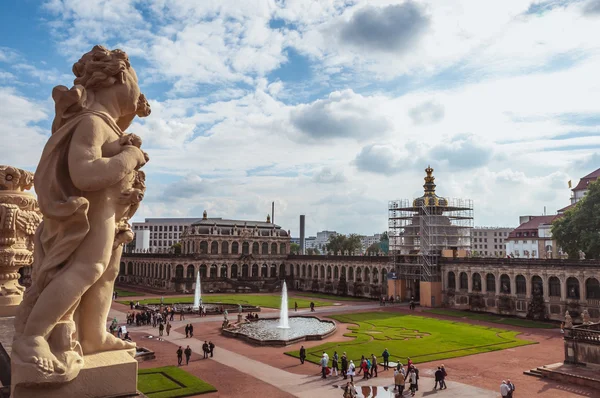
(108, 342)
(35, 350)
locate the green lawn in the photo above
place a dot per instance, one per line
(525, 323)
(422, 339)
(127, 293)
(267, 301)
(170, 382)
(331, 297)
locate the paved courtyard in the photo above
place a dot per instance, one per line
(240, 369)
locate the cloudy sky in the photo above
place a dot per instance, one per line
(329, 108)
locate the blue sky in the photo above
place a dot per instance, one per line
(329, 108)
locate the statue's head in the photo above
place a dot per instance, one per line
(101, 69)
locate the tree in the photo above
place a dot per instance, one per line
(336, 243)
(384, 242)
(579, 228)
(375, 248)
(294, 248)
(384, 237)
(352, 243)
(312, 251)
(176, 248)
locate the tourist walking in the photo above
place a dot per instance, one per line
(302, 354)
(413, 367)
(350, 390)
(205, 349)
(179, 356)
(187, 331)
(191, 330)
(364, 367)
(323, 366)
(211, 348)
(312, 307)
(504, 389)
(295, 306)
(351, 371)
(188, 354)
(334, 363)
(344, 366)
(511, 388)
(168, 328)
(161, 328)
(399, 381)
(412, 378)
(373, 365)
(386, 359)
(181, 315)
(438, 378)
(443, 380)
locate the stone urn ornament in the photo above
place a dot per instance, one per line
(568, 321)
(19, 219)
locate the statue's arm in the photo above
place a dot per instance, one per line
(88, 169)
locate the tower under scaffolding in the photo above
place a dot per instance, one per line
(423, 230)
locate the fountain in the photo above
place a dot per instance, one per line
(283, 331)
(197, 294)
(284, 322)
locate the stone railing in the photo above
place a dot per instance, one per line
(584, 333)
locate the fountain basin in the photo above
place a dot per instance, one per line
(265, 332)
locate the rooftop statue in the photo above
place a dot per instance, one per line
(88, 185)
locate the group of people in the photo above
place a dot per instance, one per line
(189, 330)
(409, 375)
(208, 347)
(507, 388)
(251, 316)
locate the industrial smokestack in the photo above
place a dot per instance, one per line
(273, 212)
(302, 234)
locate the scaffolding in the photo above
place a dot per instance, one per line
(421, 229)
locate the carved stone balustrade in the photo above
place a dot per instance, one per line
(19, 219)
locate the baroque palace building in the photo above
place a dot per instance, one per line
(238, 256)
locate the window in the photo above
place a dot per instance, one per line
(451, 281)
(592, 289)
(495, 234)
(485, 239)
(181, 228)
(505, 284)
(160, 228)
(464, 280)
(495, 240)
(518, 234)
(495, 246)
(554, 286)
(490, 283)
(526, 234)
(521, 285)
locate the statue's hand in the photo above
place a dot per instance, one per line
(131, 139)
(140, 156)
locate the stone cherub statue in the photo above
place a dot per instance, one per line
(568, 321)
(585, 317)
(88, 185)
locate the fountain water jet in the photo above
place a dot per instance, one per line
(284, 322)
(197, 294)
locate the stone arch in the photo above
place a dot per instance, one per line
(537, 284)
(592, 289)
(490, 283)
(554, 287)
(505, 284)
(282, 249)
(246, 248)
(122, 268)
(463, 281)
(343, 273)
(351, 273)
(235, 248)
(273, 248)
(264, 271)
(329, 271)
(367, 275)
(265, 248)
(297, 270)
(190, 271)
(322, 273)
(273, 271)
(245, 271)
(573, 288)
(358, 274)
(234, 271)
(375, 274)
(224, 271)
(310, 273)
(204, 247)
(282, 273)
(179, 271)
(521, 283)
(214, 247)
(451, 282)
(336, 273)
(476, 282)
(255, 248)
(304, 270)
(384, 277)
(203, 271)
(213, 271)
(225, 247)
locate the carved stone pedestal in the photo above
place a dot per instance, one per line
(104, 375)
(19, 218)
